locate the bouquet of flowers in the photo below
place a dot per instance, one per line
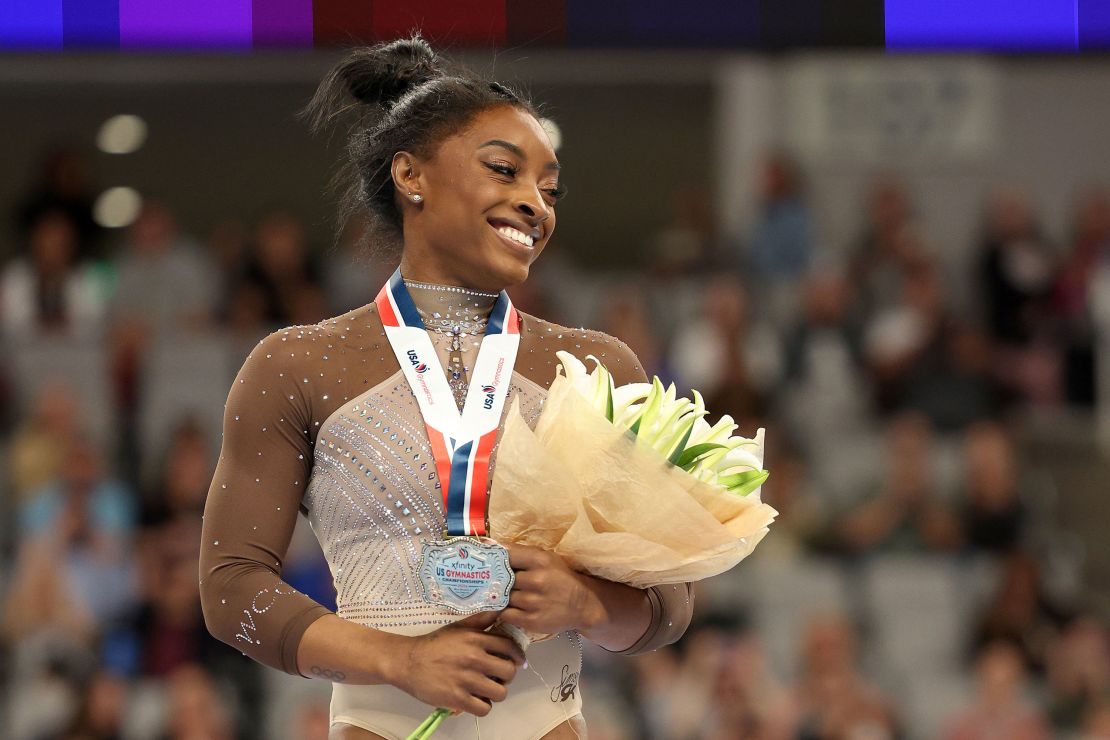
(627, 483)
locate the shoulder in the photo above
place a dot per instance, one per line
(294, 350)
(617, 356)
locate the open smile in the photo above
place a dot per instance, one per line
(515, 239)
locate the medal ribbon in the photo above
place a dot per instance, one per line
(461, 443)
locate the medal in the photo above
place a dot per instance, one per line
(466, 572)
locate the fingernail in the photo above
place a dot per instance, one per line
(526, 664)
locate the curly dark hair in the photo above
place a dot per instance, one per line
(402, 99)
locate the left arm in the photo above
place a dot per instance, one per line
(549, 597)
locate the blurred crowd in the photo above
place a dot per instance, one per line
(916, 584)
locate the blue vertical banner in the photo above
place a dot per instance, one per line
(1094, 24)
(91, 23)
(1000, 25)
(31, 24)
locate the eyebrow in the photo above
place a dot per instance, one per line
(517, 151)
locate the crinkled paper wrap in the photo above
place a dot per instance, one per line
(580, 487)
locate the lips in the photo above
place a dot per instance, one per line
(518, 230)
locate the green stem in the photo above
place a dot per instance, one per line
(429, 725)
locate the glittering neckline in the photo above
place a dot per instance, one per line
(450, 289)
(451, 309)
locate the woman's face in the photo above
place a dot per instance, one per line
(488, 202)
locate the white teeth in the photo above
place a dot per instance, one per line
(515, 235)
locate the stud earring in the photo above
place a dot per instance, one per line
(417, 197)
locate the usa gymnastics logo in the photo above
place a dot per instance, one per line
(415, 360)
(463, 553)
(488, 390)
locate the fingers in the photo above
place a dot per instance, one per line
(523, 557)
(479, 621)
(526, 600)
(518, 617)
(502, 669)
(499, 645)
(482, 692)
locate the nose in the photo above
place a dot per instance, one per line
(532, 206)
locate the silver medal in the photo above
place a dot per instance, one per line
(466, 574)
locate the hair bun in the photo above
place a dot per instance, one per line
(382, 74)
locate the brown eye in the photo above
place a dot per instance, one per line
(501, 169)
(556, 192)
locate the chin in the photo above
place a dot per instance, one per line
(505, 273)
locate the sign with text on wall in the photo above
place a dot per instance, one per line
(885, 111)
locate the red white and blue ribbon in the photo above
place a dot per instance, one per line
(461, 443)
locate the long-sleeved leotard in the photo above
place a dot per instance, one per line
(320, 419)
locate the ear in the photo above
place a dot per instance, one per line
(406, 175)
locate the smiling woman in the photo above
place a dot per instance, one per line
(369, 424)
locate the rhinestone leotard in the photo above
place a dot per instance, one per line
(320, 420)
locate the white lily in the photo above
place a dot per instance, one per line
(674, 427)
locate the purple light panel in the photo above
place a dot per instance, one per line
(282, 22)
(185, 24)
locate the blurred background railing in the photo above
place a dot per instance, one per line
(900, 266)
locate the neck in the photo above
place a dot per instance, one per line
(425, 266)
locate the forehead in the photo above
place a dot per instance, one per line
(510, 124)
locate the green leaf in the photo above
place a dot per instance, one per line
(678, 450)
(609, 399)
(743, 483)
(690, 456)
(650, 408)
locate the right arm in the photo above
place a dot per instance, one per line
(252, 506)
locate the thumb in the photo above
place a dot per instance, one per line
(479, 621)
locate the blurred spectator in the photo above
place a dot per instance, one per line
(165, 281)
(684, 244)
(905, 511)
(625, 314)
(312, 721)
(1090, 250)
(102, 711)
(953, 383)
(40, 442)
(73, 568)
(1078, 673)
(801, 525)
(1016, 269)
(717, 686)
(902, 335)
(353, 273)
(832, 697)
(825, 395)
(281, 273)
(49, 291)
(195, 707)
(880, 256)
(185, 475)
(723, 353)
(781, 242)
(1021, 613)
(64, 185)
(1015, 278)
(165, 284)
(994, 516)
(999, 709)
(1096, 725)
